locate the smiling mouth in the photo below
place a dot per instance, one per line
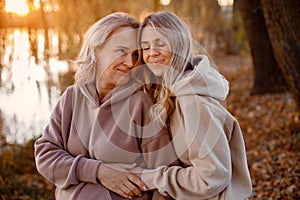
(159, 62)
(123, 70)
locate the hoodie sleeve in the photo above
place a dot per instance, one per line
(207, 157)
(52, 158)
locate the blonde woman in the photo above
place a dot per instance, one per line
(188, 94)
(102, 120)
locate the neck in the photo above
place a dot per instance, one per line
(103, 89)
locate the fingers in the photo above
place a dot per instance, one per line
(126, 192)
(123, 183)
(133, 189)
(123, 194)
(140, 184)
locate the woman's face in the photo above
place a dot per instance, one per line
(156, 50)
(116, 57)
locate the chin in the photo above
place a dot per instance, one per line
(157, 73)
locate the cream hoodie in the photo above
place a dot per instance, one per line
(82, 133)
(208, 141)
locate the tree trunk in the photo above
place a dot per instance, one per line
(292, 11)
(268, 76)
(283, 38)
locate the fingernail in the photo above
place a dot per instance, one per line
(144, 188)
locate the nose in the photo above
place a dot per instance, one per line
(129, 61)
(153, 51)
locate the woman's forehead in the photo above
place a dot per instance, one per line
(150, 33)
(124, 36)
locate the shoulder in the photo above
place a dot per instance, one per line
(202, 104)
(66, 97)
(69, 91)
(141, 98)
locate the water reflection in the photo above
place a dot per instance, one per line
(29, 81)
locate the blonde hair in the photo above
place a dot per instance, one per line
(96, 36)
(177, 34)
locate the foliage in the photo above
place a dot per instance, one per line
(19, 178)
(271, 127)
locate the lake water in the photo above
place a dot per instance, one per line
(26, 98)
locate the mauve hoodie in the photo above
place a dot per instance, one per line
(207, 139)
(82, 133)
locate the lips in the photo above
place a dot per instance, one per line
(157, 62)
(123, 70)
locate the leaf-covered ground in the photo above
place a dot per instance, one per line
(271, 128)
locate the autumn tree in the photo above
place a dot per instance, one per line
(268, 76)
(273, 32)
(282, 19)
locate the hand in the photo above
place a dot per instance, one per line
(120, 181)
(136, 171)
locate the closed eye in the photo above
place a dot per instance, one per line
(145, 47)
(161, 44)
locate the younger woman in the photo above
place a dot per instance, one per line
(188, 93)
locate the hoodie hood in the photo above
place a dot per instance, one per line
(203, 80)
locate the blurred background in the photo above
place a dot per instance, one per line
(254, 43)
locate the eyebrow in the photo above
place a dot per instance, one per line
(156, 40)
(122, 47)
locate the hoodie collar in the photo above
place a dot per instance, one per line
(203, 80)
(119, 93)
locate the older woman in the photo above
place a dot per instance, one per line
(188, 94)
(101, 119)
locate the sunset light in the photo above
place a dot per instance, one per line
(225, 2)
(18, 7)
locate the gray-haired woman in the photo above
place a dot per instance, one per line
(103, 119)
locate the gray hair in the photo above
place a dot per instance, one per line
(96, 36)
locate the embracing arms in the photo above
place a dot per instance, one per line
(213, 154)
(63, 159)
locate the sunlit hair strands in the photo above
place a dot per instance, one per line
(178, 37)
(95, 37)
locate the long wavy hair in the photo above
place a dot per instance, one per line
(95, 37)
(178, 36)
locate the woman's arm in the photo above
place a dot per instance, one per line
(207, 158)
(63, 168)
(53, 160)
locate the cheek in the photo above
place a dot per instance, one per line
(144, 55)
(115, 63)
(168, 57)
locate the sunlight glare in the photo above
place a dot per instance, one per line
(18, 7)
(165, 2)
(225, 2)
